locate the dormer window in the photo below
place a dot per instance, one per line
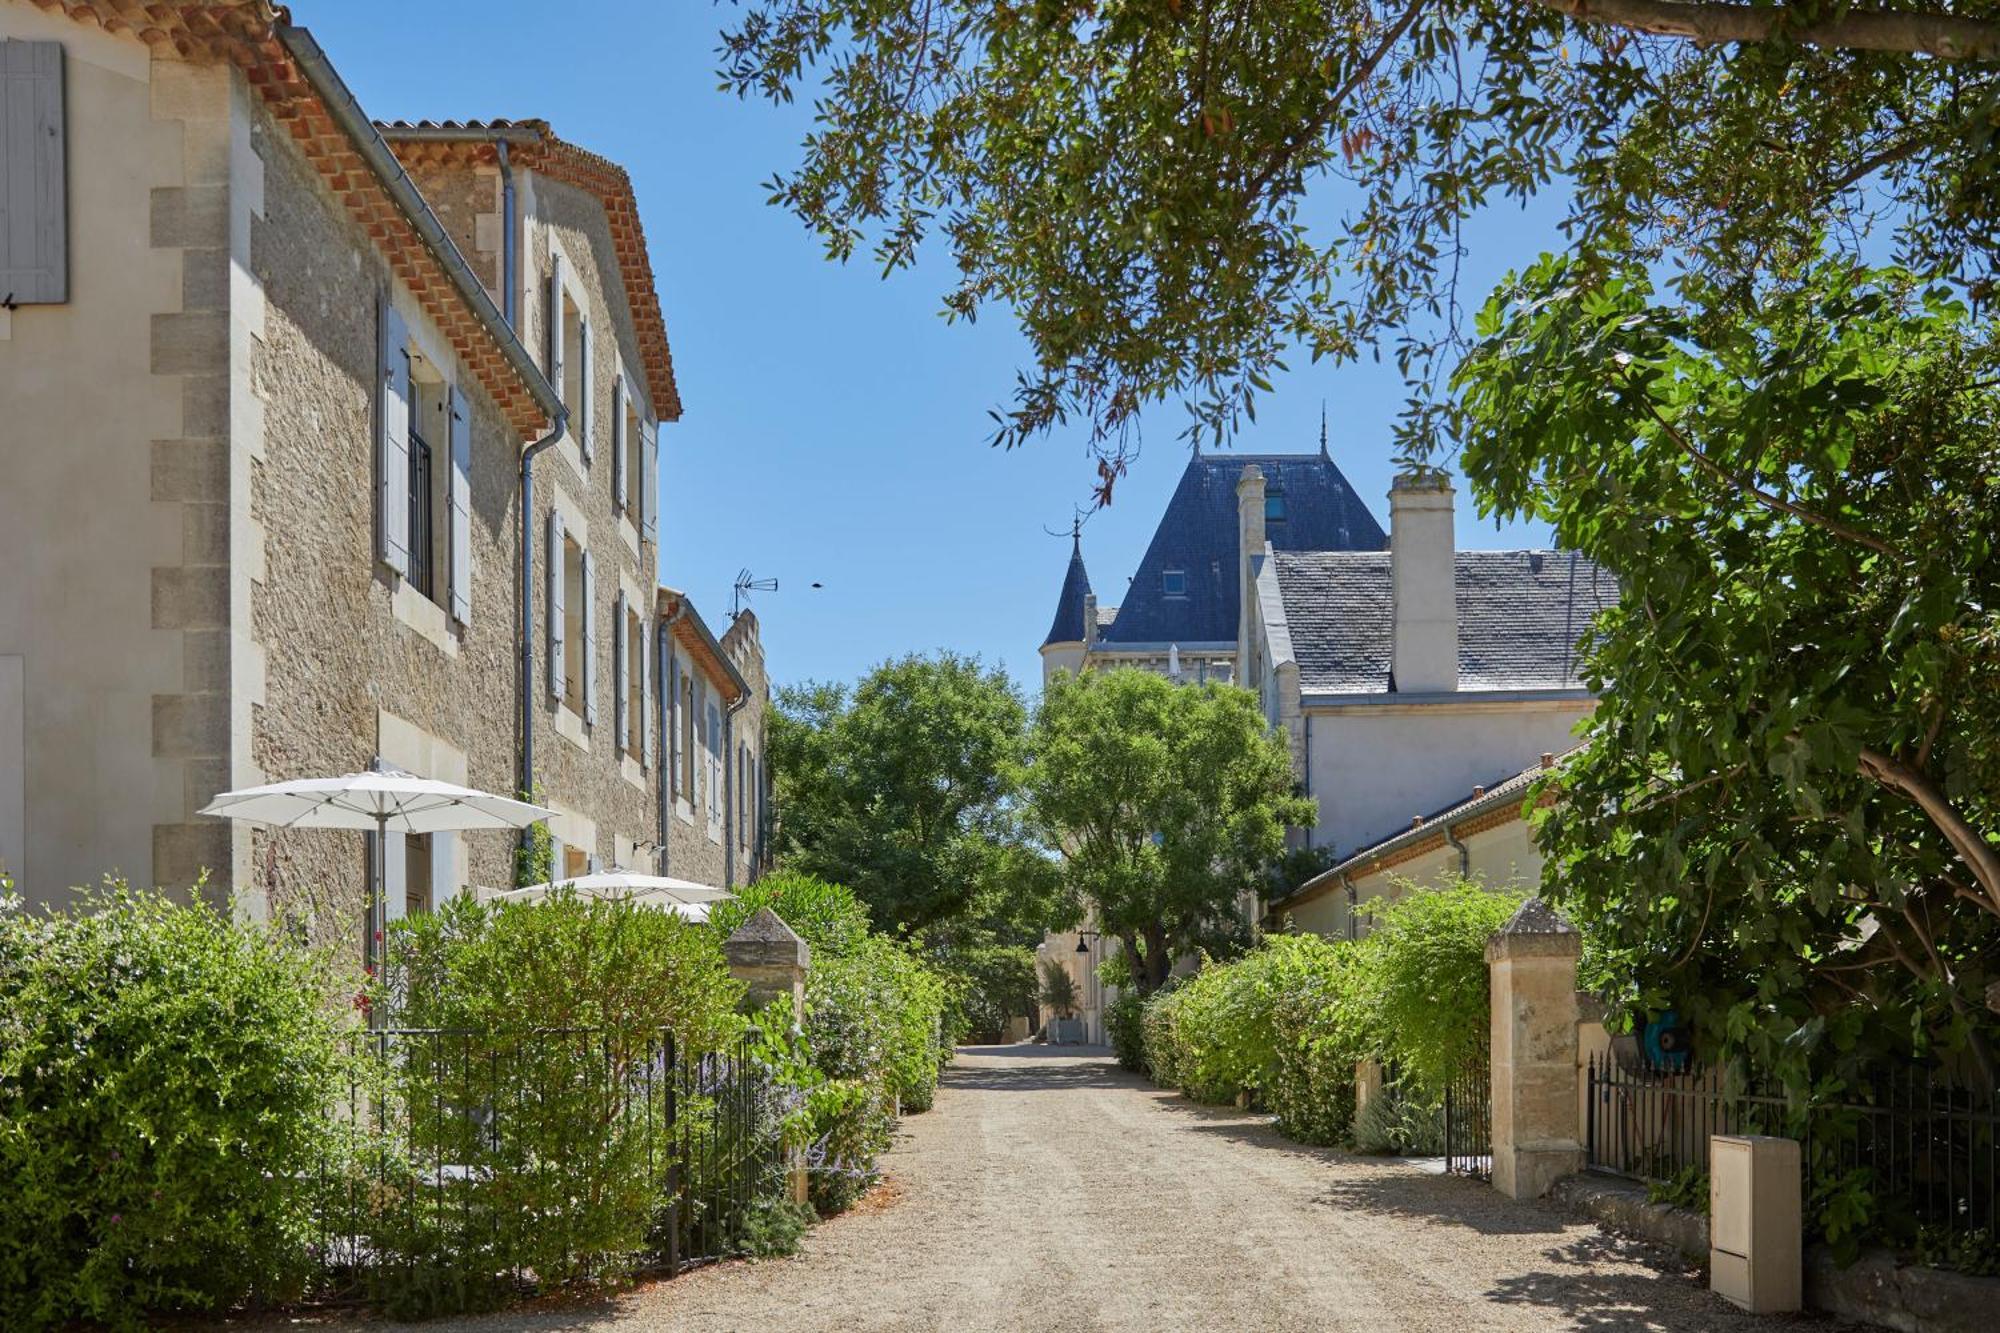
(1173, 582)
(1274, 506)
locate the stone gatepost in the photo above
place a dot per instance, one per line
(1532, 963)
(767, 957)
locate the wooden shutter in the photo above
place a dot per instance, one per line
(671, 718)
(392, 437)
(618, 444)
(586, 429)
(460, 509)
(649, 482)
(34, 216)
(588, 614)
(620, 722)
(649, 680)
(555, 601)
(552, 327)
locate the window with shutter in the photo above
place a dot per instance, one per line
(34, 208)
(583, 392)
(460, 514)
(618, 709)
(649, 482)
(618, 444)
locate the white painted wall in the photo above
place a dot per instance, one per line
(1501, 857)
(1374, 766)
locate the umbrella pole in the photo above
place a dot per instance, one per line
(377, 921)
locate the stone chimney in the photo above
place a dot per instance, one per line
(1423, 587)
(1249, 546)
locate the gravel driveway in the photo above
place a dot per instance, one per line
(1051, 1191)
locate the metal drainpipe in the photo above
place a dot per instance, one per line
(1464, 853)
(1309, 780)
(1353, 930)
(527, 599)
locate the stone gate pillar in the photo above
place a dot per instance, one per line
(767, 957)
(1532, 964)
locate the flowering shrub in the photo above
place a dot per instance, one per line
(165, 1074)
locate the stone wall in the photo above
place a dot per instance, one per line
(612, 798)
(356, 661)
(744, 832)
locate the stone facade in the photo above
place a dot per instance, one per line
(715, 808)
(200, 500)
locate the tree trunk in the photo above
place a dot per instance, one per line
(1944, 36)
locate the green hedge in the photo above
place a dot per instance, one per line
(164, 1077)
(1288, 1021)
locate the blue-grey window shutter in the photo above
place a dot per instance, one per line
(618, 443)
(649, 482)
(555, 601)
(34, 210)
(647, 682)
(621, 722)
(586, 424)
(461, 510)
(552, 327)
(392, 438)
(588, 614)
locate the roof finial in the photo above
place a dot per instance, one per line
(1322, 429)
(1076, 534)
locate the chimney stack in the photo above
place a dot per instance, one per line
(1249, 547)
(1423, 586)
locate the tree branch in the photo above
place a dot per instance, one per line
(1763, 497)
(1358, 76)
(1944, 36)
(1972, 848)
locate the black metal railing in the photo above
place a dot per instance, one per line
(1921, 1148)
(1468, 1120)
(538, 1157)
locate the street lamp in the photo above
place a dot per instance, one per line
(1083, 938)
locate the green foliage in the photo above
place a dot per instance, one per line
(1782, 824)
(1125, 1024)
(1400, 1120)
(1427, 978)
(874, 1026)
(902, 788)
(164, 1080)
(988, 984)
(1221, 1022)
(559, 1011)
(1686, 1188)
(1058, 990)
(1321, 1030)
(535, 856)
(1169, 802)
(1174, 199)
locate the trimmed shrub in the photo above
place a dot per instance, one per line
(1320, 1030)
(1125, 1022)
(1398, 1121)
(544, 1088)
(165, 1079)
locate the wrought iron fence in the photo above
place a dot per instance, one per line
(1468, 1120)
(470, 1158)
(1922, 1148)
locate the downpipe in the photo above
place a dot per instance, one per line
(526, 675)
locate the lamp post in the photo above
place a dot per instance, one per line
(1093, 994)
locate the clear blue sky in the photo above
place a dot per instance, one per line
(835, 427)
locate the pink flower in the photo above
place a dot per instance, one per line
(116, 1218)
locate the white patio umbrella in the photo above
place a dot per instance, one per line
(636, 887)
(381, 801)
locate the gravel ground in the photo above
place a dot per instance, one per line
(1051, 1192)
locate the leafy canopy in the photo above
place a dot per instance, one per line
(1170, 194)
(1784, 821)
(1169, 802)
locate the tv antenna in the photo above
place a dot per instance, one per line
(745, 585)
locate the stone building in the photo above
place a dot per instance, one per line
(1402, 671)
(714, 807)
(282, 386)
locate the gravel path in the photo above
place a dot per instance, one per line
(1052, 1192)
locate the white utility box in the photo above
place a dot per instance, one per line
(1755, 1222)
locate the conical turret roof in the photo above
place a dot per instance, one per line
(1068, 624)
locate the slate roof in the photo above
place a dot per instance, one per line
(1068, 624)
(1520, 614)
(1197, 535)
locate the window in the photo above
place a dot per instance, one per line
(430, 428)
(713, 750)
(635, 688)
(575, 862)
(576, 342)
(687, 740)
(416, 873)
(1173, 582)
(742, 795)
(1274, 506)
(576, 611)
(34, 246)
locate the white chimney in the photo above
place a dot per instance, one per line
(1249, 547)
(1422, 585)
